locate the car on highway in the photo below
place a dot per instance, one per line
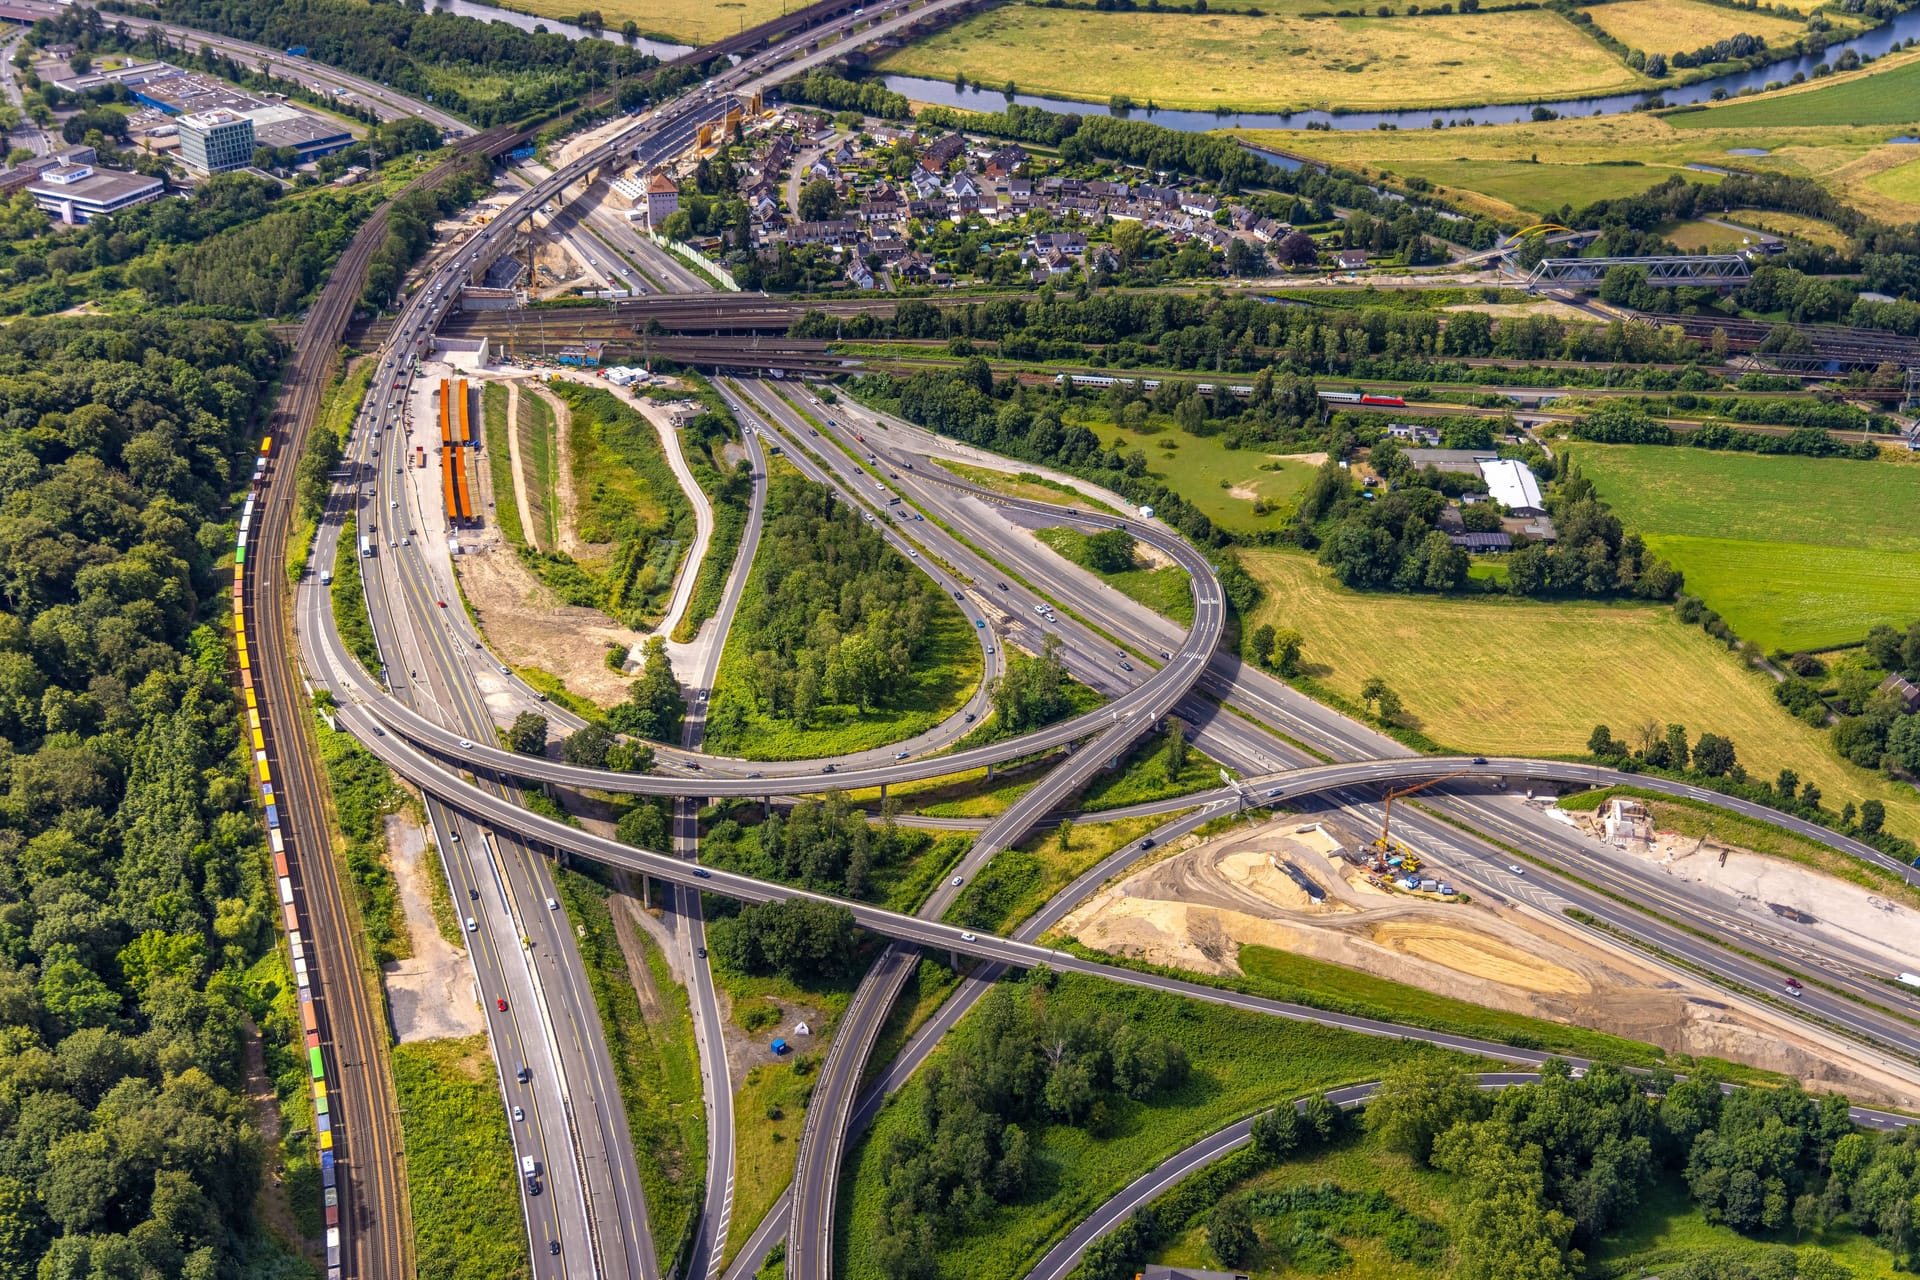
(519, 1113)
(441, 603)
(500, 1003)
(703, 873)
(956, 881)
(831, 768)
(1794, 988)
(1479, 759)
(1516, 868)
(970, 717)
(552, 905)
(474, 894)
(989, 651)
(901, 755)
(1147, 842)
(473, 926)
(465, 745)
(978, 622)
(1126, 666)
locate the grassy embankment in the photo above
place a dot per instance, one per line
(363, 794)
(1025, 484)
(1795, 553)
(765, 1146)
(1224, 483)
(655, 1060)
(1240, 1062)
(1531, 677)
(1020, 881)
(634, 524)
(1284, 60)
(1833, 130)
(336, 417)
(349, 599)
(538, 446)
(460, 1172)
(1163, 589)
(495, 428)
(1666, 1230)
(729, 496)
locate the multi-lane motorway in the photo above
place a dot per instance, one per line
(437, 729)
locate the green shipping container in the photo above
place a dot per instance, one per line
(319, 1072)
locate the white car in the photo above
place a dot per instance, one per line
(465, 745)
(967, 937)
(519, 1114)
(956, 881)
(552, 905)
(1516, 868)
(473, 926)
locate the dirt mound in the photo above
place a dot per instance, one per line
(1471, 952)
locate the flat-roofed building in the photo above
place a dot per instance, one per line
(80, 193)
(216, 141)
(279, 125)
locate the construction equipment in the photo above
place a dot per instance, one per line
(1386, 849)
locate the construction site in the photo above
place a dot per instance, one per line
(1323, 890)
(456, 443)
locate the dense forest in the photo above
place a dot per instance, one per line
(831, 617)
(134, 890)
(826, 845)
(1548, 1168)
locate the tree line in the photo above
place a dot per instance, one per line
(1628, 422)
(821, 88)
(135, 895)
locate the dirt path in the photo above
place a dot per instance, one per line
(432, 994)
(271, 1203)
(563, 471)
(518, 467)
(529, 627)
(1198, 907)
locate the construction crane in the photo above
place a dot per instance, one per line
(1410, 861)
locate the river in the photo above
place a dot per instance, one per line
(527, 22)
(1869, 44)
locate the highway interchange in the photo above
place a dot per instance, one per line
(436, 729)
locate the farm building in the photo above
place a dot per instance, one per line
(1513, 486)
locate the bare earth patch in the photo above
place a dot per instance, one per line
(530, 627)
(1196, 908)
(431, 994)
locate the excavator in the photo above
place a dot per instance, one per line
(1386, 847)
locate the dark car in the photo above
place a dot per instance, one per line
(553, 1246)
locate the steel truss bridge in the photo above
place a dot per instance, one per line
(1721, 270)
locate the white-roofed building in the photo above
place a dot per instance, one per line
(1513, 486)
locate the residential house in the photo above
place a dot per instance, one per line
(943, 151)
(1071, 243)
(1004, 161)
(1351, 259)
(963, 187)
(1192, 202)
(925, 185)
(858, 275)
(1020, 193)
(1905, 690)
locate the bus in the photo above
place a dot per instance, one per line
(366, 547)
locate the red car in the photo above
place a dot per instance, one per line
(500, 1003)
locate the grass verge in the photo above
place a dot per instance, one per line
(363, 794)
(655, 1060)
(349, 599)
(1164, 590)
(460, 1173)
(496, 426)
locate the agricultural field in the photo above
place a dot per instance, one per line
(1679, 26)
(1283, 61)
(1888, 92)
(1225, 483)
(1795, 553)
(677, 21)
(1492, 168)
(1533, 677)
(1901, 183)
(1697, 235)
(1240, 1062)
